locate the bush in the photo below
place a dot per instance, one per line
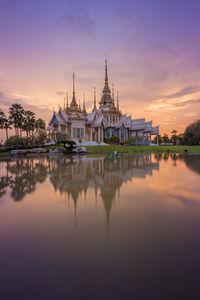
(59, 137)
(40, 137)
(16, 142)
(113, 140)
(129, 141)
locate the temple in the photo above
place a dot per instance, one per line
(103, 122)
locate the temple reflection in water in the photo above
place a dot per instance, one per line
(73, 176)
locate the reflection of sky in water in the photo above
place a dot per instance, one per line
(95, 224)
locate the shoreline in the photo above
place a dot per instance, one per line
(119, 149)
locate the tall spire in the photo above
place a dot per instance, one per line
(67, 100)
(117, 100)
(79, 106)
(73, 84)
(74, 105)
(106, 72)
(84, 110)
(95, 107)
(67, 103)
(113, 95)
(64, 104)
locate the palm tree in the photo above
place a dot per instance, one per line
(7, 125)
(2, 116)
(174, 131)
(29, 122)
(4, 123)
(40, 124)
(174, 136)
(16, 117)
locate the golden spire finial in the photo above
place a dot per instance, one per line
(95, 107)
(117, 100)
(67, 100)
(83, 101)
(106, 72)
(64, 104)
(73, 83)
(113, 96)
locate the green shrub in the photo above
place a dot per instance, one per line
(129, 141)
(113, 140)
(16, 142)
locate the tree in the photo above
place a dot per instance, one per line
(174, 131)
(29, 123)
(7, 125)
(192, 134)
(174, 136)
(165, 138)
(4, 123)
(154, 141)
(16, 117)
(181, 139)
(2, 117)
(40, 137)
(40, 124)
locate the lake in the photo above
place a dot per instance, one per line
(100, 228)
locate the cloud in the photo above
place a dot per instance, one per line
(186, 200)
(184, 103)
(170, 106)
(79, 22)
(174, 101)
(60, 94)
(6, 101)
(191, 89)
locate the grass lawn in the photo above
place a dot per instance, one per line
(126, 149)
(111, 148)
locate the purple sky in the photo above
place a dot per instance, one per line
(152, 48)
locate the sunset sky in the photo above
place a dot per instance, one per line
(152, 46)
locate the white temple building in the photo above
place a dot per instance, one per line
(103, 122)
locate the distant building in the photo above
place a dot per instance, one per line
(103, 122)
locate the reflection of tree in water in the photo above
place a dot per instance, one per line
(23, 176)
(192, 162)
(4, 183)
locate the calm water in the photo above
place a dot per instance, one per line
(98, 228)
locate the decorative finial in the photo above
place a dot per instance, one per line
(83, 101)
(117, 100)
(73, 84)
(64, 104)
(95, 101)
(106, 72)
(113, 96)
(84, 112)
(67, 100)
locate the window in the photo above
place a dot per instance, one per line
(78, 133)
(82, 133)
(74, 132)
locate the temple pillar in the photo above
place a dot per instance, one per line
(102, 134)
(98, 134)
(90, 133)
(110, 133)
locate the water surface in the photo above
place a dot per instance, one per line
(99, 228)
